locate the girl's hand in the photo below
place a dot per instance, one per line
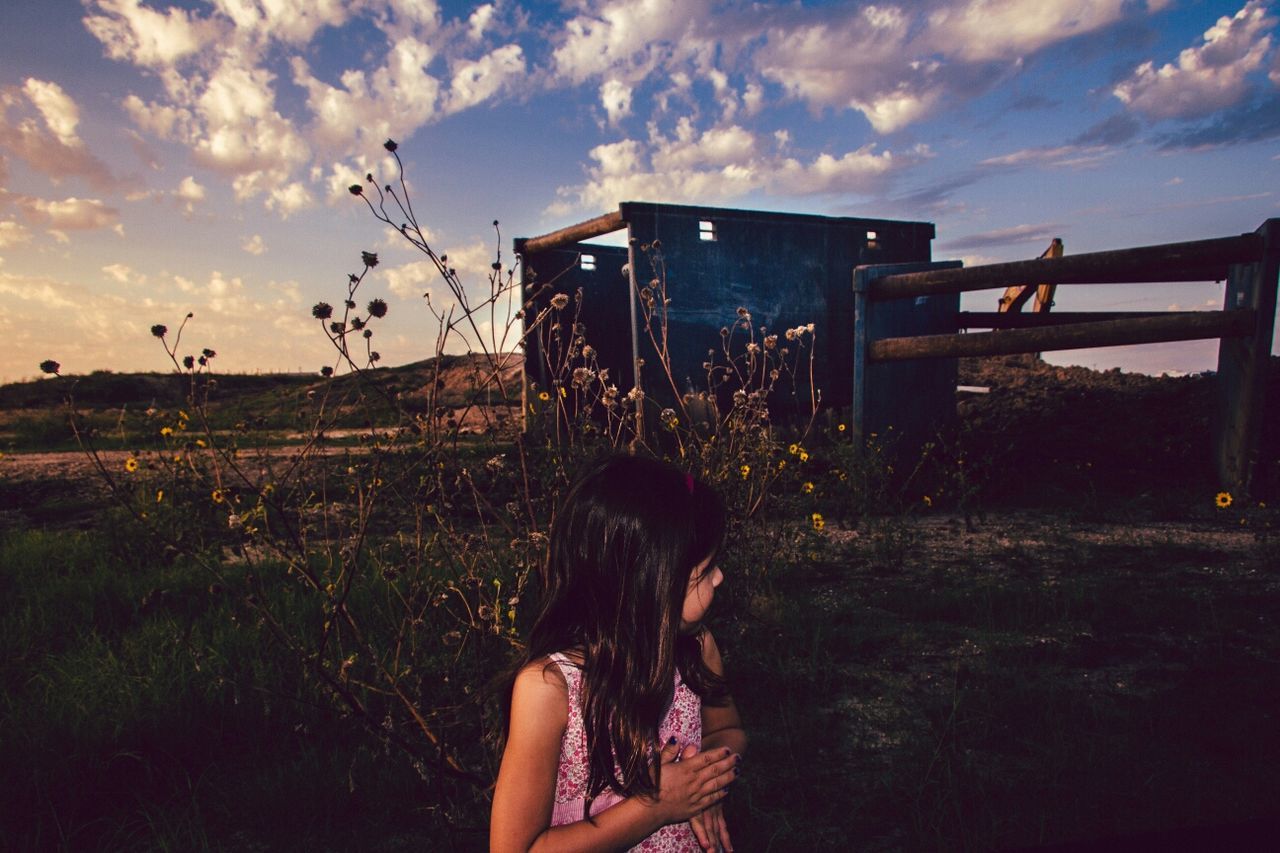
(711, 830)
(689, 787)
(709, 825)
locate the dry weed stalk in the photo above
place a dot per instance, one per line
(393, 568)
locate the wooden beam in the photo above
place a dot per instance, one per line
(1191, 325)
(1200, 260)
(1242, 368)
(1006, 320)
(605, 223)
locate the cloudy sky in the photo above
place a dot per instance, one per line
(159, 158)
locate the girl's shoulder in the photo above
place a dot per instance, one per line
(551, 670)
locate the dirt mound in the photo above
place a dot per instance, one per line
(1042, 429)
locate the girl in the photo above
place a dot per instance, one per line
(619, 729)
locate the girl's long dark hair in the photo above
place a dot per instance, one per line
(628, 535)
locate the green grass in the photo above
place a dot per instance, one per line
(921, 710)
(1055, 688)
(137, 715)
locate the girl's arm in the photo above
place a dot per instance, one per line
(525, 792)
(721, 729)
(721, 726)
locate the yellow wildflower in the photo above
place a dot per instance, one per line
(166, 431)
(807, 488)
(183, 415)
(804, 456)
(1223, 500)
(840, 427)
(928, 501)
(199, 442)
(782, 463)
(793, 449)
(563, 393)
(217, 496)
(818, 521)
(544, 396)
(745, 471)
(131, 464)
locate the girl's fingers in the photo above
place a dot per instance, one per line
(723, 833)
(698, 822)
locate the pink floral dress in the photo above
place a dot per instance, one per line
(683, 721)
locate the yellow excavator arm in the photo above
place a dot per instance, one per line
(1017, 295)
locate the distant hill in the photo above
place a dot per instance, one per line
(456, 375)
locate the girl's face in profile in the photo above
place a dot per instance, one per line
(703, 581)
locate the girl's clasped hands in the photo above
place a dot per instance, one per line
(693, 784)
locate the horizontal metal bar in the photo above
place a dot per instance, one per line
(602, 224)
(1199, 260)
(1184, 326)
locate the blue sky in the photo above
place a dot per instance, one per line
(162, 158)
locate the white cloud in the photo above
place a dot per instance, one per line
(396, 98)
(627, 37)
(472, 261)
(1026, 233)
(479, 21)
(615, 97)
(13, 234)
(189, 192)
(61, 115)
(1060, 156)
(163, 120)
(124, 274)
(47, 141)
(862, 62)
(189, 189)
(186, 195)
(243, 134)
(289, 199)
(135, 33)
(411, 280)
(722, 146)
(293, 22)
(897, 64)
(853, 172)
(254, 245)
(477, 81)
(70, 214)
(720, 164)
(1208, 77)
(986, 30)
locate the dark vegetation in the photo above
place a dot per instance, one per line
(1096, 658)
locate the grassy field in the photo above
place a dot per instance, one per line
(1034, 681)
(1089, 653)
